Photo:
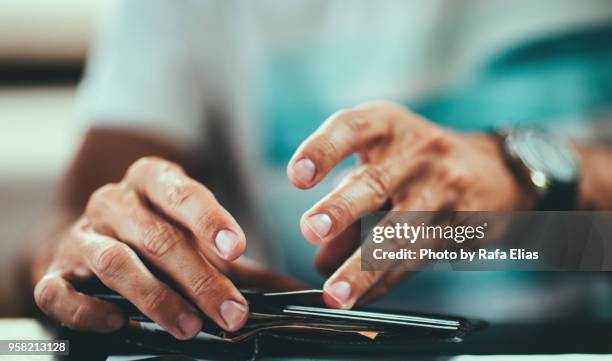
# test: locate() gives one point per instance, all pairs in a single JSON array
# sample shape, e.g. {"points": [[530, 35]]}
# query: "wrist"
{"points": [[521, 195], [525, 196]]}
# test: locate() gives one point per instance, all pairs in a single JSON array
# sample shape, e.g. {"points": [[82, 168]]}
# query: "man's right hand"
{"points": [[155, 216]]}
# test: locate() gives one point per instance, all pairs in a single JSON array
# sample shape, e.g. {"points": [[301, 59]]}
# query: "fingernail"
{"points": [[340, 291], [82, 272], [233, 313], [226, 242], [114, 321], [189, 323], [320, 224], [304, 170]]}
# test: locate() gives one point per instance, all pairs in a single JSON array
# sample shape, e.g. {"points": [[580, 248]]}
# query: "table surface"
{"points": [[567, 338]]}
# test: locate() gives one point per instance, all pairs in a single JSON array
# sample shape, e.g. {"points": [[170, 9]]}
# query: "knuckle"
{"points": [[377, 182], [342, 116], [45, 293], [112, 260], [437, 141], [355, 123], [104, 195], [159, 239], [149, 163], [154, 300], [180, 193], [79, 316], [209, 221], [341, 209], [142, 164], [326, 151], [460, 179], [454, 177], [202, 284]]}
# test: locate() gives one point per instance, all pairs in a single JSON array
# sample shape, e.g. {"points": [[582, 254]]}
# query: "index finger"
{"points": [[188, 202], [338, 137]]}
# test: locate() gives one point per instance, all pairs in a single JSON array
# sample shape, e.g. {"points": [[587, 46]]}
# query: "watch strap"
{"points": [[559, 197]]}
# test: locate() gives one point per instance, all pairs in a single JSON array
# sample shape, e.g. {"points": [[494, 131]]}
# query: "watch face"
{"points": [[548, 157]]}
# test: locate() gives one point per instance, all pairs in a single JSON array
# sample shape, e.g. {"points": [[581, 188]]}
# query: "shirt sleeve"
{"points": [[141, 73]]}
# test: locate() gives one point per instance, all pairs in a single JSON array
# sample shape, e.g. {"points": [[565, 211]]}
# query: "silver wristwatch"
{"points": [[547, 162]]}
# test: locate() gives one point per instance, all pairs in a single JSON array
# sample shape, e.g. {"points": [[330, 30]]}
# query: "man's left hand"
{"points": [[405, 160]]}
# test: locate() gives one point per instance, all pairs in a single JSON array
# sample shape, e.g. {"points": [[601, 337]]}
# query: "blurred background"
{"points": [[43, 46], [42, 50]]}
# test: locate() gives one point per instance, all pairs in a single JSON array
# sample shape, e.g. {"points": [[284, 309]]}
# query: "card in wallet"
{"points": [[293, 319]]}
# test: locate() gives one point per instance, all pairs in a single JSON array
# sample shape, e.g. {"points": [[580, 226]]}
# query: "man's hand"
{"points": [[405, 160], [156, 217]]}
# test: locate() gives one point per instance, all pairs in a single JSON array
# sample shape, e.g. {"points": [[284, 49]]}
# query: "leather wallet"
{"points": [[285, 323]]}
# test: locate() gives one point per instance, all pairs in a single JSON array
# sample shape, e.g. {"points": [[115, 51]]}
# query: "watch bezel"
{"points": [[516, 147]]}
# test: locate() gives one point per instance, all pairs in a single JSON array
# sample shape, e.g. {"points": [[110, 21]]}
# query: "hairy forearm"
{"points": [[595, 178]]}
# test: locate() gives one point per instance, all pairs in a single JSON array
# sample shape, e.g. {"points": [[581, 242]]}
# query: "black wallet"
{"points": [[296, 322]]}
